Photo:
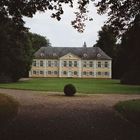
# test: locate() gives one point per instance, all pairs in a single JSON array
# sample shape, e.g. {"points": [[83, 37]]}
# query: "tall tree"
{"points": [[38, 41], [15, 52], [107, 40], [128, 59]]}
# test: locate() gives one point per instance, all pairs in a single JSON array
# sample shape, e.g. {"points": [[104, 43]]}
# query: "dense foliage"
{"points": [[38, 41], [8, 110], [15, 52], [108, 43], [107, 40], [128, 58], [69, 90], [131, 77], [130, 110], [16, 9], [121, 13]]}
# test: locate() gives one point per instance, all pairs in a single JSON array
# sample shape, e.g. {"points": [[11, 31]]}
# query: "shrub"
{"points": [[130, 109], [69, 90], [131, 77], [8, 109], [5, 78]]}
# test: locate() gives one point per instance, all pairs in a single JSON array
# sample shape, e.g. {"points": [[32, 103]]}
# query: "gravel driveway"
{"points": [[52, 116]]}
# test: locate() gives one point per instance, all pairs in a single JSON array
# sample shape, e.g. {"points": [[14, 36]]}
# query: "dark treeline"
{"points": [[16, 51], [125, 54]]}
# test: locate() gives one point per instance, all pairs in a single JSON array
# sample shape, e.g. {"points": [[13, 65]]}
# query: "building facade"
{"points": [[77, 62]]}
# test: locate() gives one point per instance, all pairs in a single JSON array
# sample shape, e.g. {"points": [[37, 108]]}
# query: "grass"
{"points": [[130, 110], [90, 86], [8, 109]]}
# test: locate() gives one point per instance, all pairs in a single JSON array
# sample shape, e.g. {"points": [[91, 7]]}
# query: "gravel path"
{"points": [[53, 116]]}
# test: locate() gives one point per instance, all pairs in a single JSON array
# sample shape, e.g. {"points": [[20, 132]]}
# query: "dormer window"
{"points": [[98, 55], [41, 54], [85, 55]]}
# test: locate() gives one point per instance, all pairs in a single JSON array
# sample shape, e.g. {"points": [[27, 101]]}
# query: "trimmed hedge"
{"points": [[69, 90]]}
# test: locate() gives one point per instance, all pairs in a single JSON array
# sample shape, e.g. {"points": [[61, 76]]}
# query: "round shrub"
{"points": [[69, 90]]}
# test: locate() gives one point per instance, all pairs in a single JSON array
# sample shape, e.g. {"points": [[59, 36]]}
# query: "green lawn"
{"points": [[130, 110], [82, 85]]}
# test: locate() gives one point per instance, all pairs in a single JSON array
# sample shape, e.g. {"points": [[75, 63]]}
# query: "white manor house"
{"points": [[77, 62]]}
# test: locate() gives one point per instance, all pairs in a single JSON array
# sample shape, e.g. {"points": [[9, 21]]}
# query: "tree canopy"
{"points": [[38, 41], [129, 49], [16, 9], [107, 40], [122, 13]]}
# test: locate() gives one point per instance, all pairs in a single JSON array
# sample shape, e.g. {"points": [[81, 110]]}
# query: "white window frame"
{"points": [[41, 63], [99, 64]]}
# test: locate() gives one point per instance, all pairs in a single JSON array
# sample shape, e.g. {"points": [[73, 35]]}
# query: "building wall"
{"points": [[71, 66]]}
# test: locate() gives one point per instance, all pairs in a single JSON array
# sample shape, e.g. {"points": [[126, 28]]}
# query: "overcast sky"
{"points": [[61, 33]]}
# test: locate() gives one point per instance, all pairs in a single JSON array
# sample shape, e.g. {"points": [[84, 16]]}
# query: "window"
{"points": [[75, 63], [106, 64], [41, 54], [106, 73], [99, 64], [75, 73], [34, 72], [49, 72], [90, 64], [70, 63], [64, 72], [84, 55], [84, 64], [41, 63], [84, 73], [91, 73], [55, 72], [98, 55], [99, 73], [55, 63], [41, 72], [49, 63], [65, 63], [34, 63]]}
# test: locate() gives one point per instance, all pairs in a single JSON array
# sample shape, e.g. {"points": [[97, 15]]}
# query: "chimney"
{"points": [[85, 45]]}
